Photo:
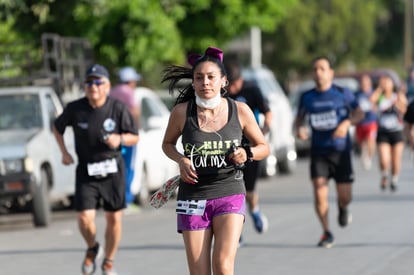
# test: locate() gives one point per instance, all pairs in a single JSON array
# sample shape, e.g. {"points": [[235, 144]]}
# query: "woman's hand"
{"points": [[238, 156], [187, 171]]}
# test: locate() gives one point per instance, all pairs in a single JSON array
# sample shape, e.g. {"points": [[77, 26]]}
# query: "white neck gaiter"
{"points": [[210, 103]]}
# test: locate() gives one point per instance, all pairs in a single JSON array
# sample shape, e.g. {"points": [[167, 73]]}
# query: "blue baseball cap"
{"points": [[97, 70], [128, 74]]}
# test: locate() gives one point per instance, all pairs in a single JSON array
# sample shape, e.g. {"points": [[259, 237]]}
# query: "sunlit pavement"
{"points": [[379, 240]]}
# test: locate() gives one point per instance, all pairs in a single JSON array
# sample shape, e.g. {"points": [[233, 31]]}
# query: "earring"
{"points": [[225, 83]]}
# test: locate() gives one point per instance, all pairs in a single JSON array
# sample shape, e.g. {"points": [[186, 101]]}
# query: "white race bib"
{"points": [[365, 104], [324, 120], [103, 168], [389, 121], [191, 207]]}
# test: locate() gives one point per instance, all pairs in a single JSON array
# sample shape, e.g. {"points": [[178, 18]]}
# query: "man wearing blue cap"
{"points": [[124, 92], [101, 126]]}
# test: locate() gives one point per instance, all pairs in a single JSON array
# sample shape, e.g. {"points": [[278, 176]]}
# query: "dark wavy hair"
{"points": [[179, 78]]}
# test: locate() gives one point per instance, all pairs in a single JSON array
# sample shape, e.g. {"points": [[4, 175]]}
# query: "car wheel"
{"points": [[287, 166], [143, 194], [40, 203], [268, 166]]}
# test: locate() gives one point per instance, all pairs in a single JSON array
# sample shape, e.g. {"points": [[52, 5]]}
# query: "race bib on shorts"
{"points": [[324, 120], [191, 207], [103, 168]]}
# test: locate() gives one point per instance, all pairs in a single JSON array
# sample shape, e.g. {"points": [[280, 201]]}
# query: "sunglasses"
{"points": [[96, 82]]}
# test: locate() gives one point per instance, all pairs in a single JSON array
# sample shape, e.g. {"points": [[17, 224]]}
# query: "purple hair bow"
{"points": [[210, 51]]}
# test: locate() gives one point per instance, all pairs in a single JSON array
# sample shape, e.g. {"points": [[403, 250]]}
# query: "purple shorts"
{"points": [[234, 204]]}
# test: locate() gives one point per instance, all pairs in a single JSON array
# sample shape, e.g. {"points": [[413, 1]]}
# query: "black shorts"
{"points": [[250, 174], [336, 165], [391, 138], [91, 192]]}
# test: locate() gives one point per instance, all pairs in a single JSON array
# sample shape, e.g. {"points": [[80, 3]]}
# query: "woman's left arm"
{"points": [[258, 144]]}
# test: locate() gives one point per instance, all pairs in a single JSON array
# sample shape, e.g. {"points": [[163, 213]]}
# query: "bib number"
{"points": [[102, 168], [389, 122], [324, 121], [191, 207], [365, 104]]}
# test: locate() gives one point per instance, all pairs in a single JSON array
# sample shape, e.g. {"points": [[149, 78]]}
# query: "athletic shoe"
{"points": [[344, 217], [366, 163], [261, 224], [241, 242], [131, 209], [384, 180], [89, 263], [327, 240], [108, 268], [393, 186]]}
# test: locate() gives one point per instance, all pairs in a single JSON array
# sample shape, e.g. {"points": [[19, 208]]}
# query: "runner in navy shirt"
{"points": [[330, 111]]}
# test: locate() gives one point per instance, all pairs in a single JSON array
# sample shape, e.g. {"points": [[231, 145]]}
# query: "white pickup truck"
{"points": [[31, 170]]}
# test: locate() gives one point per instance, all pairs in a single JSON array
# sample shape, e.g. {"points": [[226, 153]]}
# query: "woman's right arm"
{"points": [[172, 133], [66, 156]]}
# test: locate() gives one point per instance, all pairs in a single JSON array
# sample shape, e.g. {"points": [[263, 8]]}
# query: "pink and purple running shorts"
{"points": [[234, 204]]}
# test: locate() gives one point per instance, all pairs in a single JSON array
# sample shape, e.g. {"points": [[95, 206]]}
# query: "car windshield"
{"points": [[20, 112], [265, 82]]}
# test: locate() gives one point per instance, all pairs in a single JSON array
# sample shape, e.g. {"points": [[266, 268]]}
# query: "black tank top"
{"points": [[207, 152]]}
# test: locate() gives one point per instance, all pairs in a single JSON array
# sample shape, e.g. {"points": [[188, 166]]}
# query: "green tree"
{"points": [[341, 30], [146, 34]]}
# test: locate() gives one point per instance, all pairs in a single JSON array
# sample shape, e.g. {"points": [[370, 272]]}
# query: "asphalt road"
{"points": [[379, 241]]}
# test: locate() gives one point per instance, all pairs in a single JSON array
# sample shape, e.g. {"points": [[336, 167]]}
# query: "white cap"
{"points": [[128, 74]]}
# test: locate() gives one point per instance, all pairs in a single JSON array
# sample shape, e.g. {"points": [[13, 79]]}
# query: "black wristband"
{"points": [[249, 153]]}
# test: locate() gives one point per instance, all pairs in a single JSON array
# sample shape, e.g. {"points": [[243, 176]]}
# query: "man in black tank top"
{"points": [[249, 93]]}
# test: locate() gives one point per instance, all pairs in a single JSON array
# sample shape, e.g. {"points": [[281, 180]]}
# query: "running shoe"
{"points": [[393, 186], [327, 240], [344, 217], [108, 268], [89, 263], [384, 180], [367, 163], [241, 241], [131, 209], [261, 224]]}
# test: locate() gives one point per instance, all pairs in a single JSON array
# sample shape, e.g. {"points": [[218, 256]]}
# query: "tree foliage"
{"points": [[144, 33], [340, 30], [148, 34]]}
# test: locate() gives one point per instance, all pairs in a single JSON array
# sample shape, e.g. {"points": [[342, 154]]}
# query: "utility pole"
{"points": [[255, 47], [408, 33]]}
